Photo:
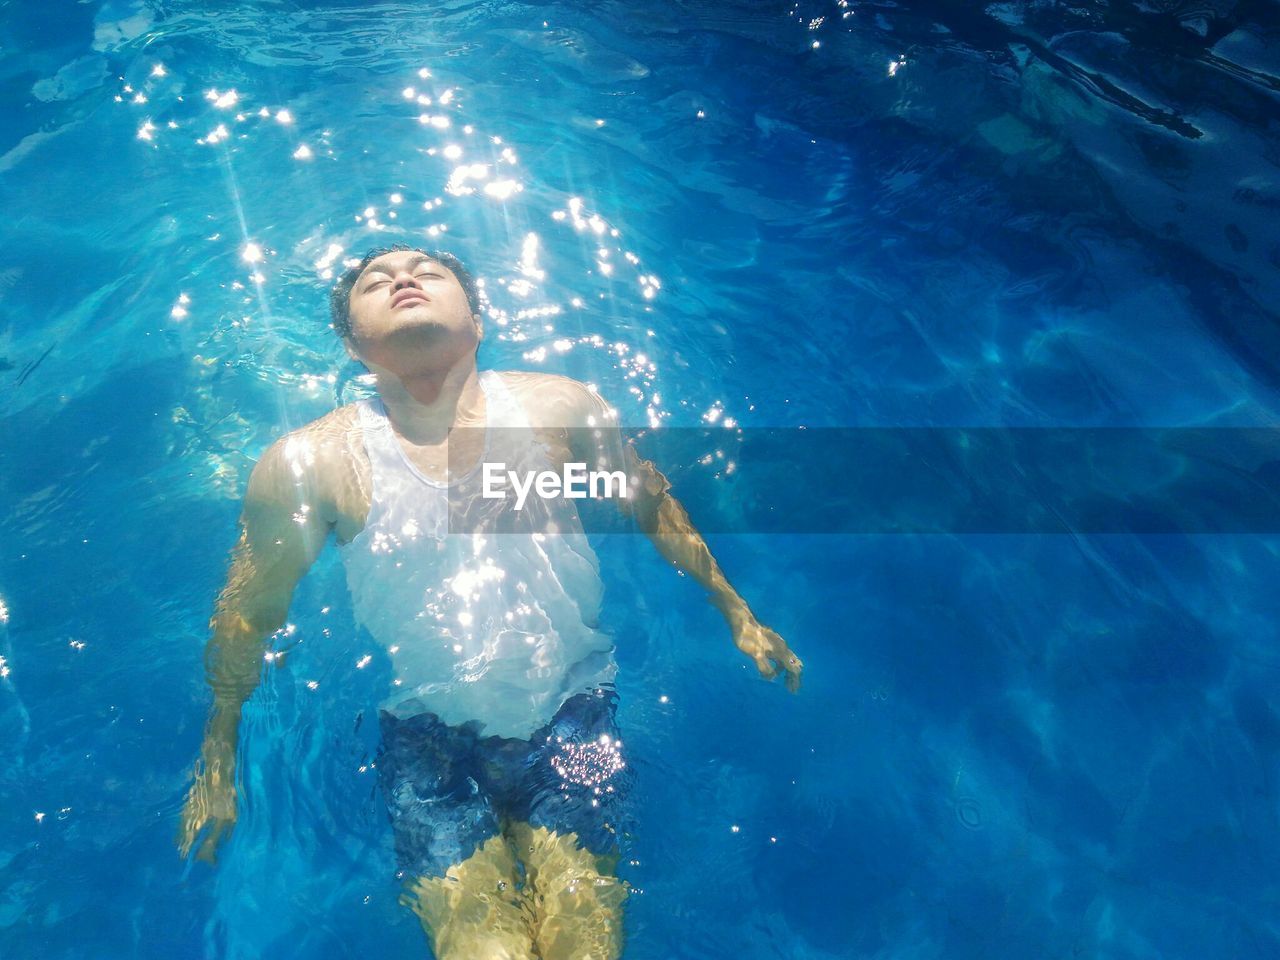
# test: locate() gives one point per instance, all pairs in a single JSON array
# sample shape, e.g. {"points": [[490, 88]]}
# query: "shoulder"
{"points": [[315, 455], [552, 400]]}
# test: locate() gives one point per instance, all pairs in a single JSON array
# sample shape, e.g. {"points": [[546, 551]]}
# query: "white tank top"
{"points": [[495, 627]]}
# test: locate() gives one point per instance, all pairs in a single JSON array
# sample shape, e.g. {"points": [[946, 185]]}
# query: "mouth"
{"points": [[407, 298]]}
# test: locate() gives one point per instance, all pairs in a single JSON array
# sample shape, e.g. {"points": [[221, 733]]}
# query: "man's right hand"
{"points": [[209, 813]]}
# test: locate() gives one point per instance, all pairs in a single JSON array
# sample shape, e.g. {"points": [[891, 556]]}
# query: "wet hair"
{"points": [[340, 296]]}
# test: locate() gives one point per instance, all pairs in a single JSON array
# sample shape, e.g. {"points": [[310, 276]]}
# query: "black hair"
{"points": [[340, 296]]}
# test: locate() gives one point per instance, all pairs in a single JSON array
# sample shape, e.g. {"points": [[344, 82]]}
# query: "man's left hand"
{"points": [[770, 652]]}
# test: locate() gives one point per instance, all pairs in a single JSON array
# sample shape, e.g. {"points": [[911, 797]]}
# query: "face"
{"points": [[406, 307]]}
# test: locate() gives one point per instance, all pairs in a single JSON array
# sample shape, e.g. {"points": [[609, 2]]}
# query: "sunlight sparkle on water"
{"points": [[457, 184], [529, 258], [589, 764], [331, 254], [502, 189], [222, 101]]}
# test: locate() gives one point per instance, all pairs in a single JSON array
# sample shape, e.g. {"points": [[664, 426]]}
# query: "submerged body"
{"points": [[496, 628], [501, 764]]}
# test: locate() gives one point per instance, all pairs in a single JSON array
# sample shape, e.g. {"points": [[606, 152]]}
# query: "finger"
{"points": [[793, 679], [766, 667], [188, 829], [794, 667], [191, 839], [209, 849]]}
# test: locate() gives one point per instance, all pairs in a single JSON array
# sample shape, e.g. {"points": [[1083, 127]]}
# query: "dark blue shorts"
{"points": [[449, 789]]}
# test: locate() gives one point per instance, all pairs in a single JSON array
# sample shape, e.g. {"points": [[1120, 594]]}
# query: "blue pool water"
{"points": [[828, 214]]}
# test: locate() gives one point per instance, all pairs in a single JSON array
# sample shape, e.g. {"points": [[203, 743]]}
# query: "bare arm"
{"points": [[282, 529], [663, 519]]}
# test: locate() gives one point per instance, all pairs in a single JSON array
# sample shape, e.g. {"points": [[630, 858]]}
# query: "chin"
{"points": [[411, 322], [425, 336]]}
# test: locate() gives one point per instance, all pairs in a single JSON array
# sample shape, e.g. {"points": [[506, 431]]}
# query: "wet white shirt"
{"points": [[483, 625]]}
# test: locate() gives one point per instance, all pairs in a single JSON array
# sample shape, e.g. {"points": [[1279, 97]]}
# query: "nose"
{"points": [[403, 279]]}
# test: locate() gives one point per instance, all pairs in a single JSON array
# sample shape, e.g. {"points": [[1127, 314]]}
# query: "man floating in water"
{"points": [[500, 761]]}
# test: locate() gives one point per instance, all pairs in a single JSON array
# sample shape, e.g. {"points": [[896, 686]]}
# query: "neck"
{"points": [[425, 405]]}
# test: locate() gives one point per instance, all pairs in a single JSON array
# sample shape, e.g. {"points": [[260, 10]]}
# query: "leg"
{"points": [[576, 900], [462, 874], [575, 785], [475, 911]]}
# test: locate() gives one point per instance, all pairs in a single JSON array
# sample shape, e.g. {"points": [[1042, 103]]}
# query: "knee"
{"points": [[483, 947], [563, 872]]}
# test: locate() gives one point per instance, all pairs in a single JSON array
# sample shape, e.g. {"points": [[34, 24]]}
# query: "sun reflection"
{"points": [[216, 135], [474, 162], [222, 101], [457, 184], [590, 764], [502, 189], [325, 262]]}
